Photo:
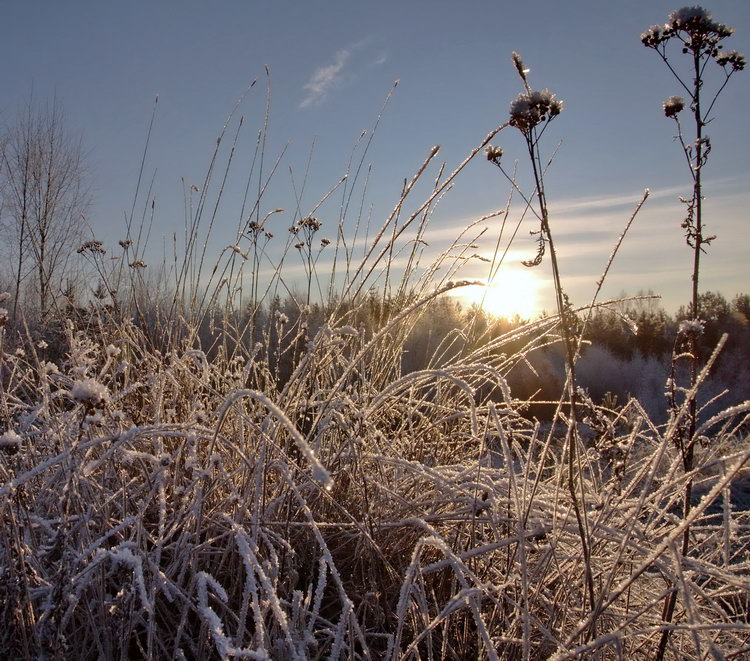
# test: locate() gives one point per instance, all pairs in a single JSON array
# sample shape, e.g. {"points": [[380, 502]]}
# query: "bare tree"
{"points": [[44, 197]]}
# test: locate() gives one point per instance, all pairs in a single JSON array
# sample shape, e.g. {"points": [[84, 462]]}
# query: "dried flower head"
{"points": [[531, 108], [694, 27], [92, 246], [698, 25], [654, 36], [137, 264], [689, 14], [493, 153], [673, 105], [10, 442], [311, 223], [125, 243], [49, 367], [691, 327], [90, 392], [732, 58]]}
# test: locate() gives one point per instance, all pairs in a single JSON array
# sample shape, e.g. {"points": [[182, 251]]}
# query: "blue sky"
{"points": [[332, 64]]}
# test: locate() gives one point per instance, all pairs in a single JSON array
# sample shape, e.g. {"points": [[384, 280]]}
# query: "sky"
{"points": [[330, 65]]}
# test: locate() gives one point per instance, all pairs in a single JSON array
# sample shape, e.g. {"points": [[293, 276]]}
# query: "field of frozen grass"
{"points": [[155, 506], [192, 468]]}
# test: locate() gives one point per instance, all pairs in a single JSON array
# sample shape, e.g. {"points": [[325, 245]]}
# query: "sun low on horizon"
{"points": [[512, 292]]}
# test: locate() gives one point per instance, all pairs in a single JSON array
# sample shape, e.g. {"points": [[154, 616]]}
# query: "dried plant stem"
{"points": [[569, 343], [696, 240]]}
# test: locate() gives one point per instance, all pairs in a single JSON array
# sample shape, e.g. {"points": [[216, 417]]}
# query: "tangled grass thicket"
{"points": [[155, 507]]}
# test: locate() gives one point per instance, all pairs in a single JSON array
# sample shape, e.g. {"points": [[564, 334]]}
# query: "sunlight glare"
{"points": [[512, 292]]}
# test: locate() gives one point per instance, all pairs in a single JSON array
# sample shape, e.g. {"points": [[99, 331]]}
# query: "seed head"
{"points": [[698, 23], [311, 222], [654, 36], [531, 108], [694, 27], [493, 153], [691, 327], [733, 59], [90, 392], [10, 442], [673, 105], [93, 246], [518, 64]]}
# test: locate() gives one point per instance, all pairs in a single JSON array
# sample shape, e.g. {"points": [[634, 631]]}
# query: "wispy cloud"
{"points": [[652, 256], [324, 78], [330, 76], [382, 58]]}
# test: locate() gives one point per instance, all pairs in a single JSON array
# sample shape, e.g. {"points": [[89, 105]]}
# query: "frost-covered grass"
{"points": [[191, 468], [157, 505]]}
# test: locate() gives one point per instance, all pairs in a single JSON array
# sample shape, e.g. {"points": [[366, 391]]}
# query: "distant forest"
{"points": [[627, 351]]}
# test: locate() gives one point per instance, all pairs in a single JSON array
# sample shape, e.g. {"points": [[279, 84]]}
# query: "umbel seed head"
{"points": [[531, 108], [694, 27]]}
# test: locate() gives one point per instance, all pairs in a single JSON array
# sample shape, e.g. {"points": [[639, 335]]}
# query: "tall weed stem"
{"points": [[699, 36], [531, 112]]}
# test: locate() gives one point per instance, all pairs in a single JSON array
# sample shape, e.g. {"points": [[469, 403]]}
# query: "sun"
{"points": [[512, 292]]}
